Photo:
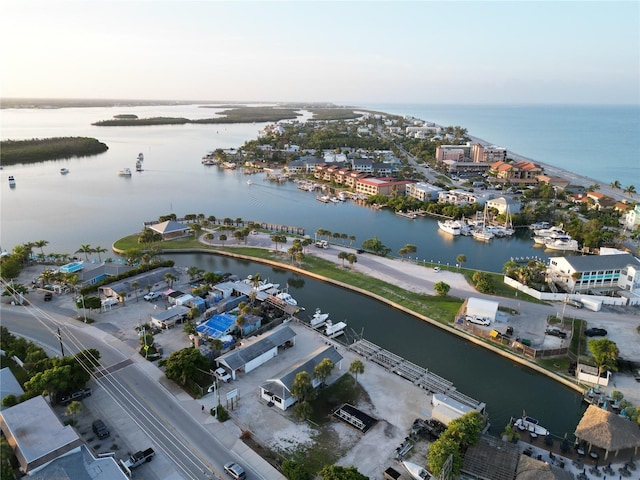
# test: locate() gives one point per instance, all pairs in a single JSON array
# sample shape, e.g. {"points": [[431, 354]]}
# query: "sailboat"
{"points": [[480, 231]]}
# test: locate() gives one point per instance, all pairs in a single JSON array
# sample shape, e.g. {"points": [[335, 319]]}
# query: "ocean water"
{"points": [[597, 141]]}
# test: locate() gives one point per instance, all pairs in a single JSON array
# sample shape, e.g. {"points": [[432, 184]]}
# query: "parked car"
{"points": [[152, 296], [67, 398], [478, 320], [235, 470], [556, 332], [436, 269], [575, 303], [222, 375], [595, 332], [100, 429], [48, 296]]}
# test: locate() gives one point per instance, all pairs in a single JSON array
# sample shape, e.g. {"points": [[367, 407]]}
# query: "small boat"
{"points": [[483, 235], [319, 319], [416, 471], [141, 157], [548, 232], [64, 171], [125, 172], [409, 215], [284, 296], [12, 181], [531, 425], [228, 165], [333, 330], [249, 182], [138, 165], [323, 198]]}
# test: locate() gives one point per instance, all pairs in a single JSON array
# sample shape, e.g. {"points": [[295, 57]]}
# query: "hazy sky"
{"points": [[335, 51]]}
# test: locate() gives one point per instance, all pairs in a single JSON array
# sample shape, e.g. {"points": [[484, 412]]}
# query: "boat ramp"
{"points": [[416, 374]]}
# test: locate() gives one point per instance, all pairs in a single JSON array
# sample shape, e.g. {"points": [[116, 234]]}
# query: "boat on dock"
{"points": [[319, 319], [452, 227], [409, 215], [333, 330], [562, 244], [323, 198], [416, 471], [286, 297], [530, 425]]}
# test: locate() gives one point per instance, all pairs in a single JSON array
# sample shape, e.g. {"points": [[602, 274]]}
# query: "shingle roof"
{"points": [[601, 262], [241, 356]]}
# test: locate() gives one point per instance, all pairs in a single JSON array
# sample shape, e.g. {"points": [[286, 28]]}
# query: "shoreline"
{"points": [[407, 277]]}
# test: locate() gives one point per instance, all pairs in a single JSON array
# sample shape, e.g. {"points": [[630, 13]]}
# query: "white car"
{"points": [[152, 296], [478, 320], [222, 375]]}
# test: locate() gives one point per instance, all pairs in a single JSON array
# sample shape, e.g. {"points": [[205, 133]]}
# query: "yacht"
{"points": [[531, 425], [563, 244], [483, 235], [284, 296], [319, 318], [125, 172], [12, 181], [547, 232], [333, 330], [64, 171], [451, 227]]}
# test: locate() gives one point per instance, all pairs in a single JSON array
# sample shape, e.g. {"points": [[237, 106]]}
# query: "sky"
{"points": [[345, 52]]}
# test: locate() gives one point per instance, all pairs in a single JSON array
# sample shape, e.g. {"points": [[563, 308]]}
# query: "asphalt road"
{"points": [[133, 396]]}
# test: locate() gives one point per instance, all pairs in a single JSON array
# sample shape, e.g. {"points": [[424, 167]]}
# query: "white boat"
{"points": [[249, 182], [64, 171], [547, 232], [483, 235], [287, 298], [12, 181], [409, 215], [208, 161], [125, 172], [319, 318], [323, 198], [333, 330], [539, 225], [451, 227], [334, 199], [531, 425], [416, 471], [564, 244]]}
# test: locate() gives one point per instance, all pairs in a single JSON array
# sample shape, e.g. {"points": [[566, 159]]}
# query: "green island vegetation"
{"points": [[233, 115], [41, 149]]}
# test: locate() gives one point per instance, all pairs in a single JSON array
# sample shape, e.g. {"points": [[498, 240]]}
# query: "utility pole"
{"points": [[59, 335]]}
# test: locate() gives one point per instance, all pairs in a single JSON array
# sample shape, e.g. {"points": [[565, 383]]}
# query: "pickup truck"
{"points": [[67, 398], [137, 459], [222, 375]]}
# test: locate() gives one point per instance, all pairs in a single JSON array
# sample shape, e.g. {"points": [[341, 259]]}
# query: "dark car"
{"points": [[48, 296], [556, 332], [67, 398], [595, 332], [100, 429]]}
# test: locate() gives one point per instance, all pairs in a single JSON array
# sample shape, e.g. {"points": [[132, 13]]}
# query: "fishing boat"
{"points": [[319, 319], [531, 425], [480, 230], [333, 330], [409, 215], [286, 297], [125, 172], [12, 181], [562, 244], [416, 471], [64, 171]]}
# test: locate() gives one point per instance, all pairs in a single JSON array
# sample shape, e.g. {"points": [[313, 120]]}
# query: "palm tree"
{"points": [[39, 244], [73, 409], [461, 259], [630, 190], [615, 185], [99, 250], [86, 249], [343, 256], [356, 367], [170, 278], [223, 238]]}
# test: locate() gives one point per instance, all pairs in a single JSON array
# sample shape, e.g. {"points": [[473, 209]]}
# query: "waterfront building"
{"points": [[503, 204], [425, 192], [382, 186], [466, 168], [598, 274], [487, 153], [304, 165], [555, 182], [462, 197], [632, 218], [170, 229], [594, 200], [517, 171], [458, 153]]}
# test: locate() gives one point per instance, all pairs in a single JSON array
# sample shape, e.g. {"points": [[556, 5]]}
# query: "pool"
{"points": [[71, 267]]}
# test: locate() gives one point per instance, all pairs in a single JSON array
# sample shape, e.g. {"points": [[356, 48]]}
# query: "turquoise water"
{"points": [[598, 141]]}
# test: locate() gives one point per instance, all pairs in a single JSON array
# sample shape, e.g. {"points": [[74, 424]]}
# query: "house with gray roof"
{"points": [[598, 274], [148, 281], [80, 465], [36, 434], [277, 390], [254, 353]]}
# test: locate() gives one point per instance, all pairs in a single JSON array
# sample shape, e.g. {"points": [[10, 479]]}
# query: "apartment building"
{"points": [[487, 153], [382, 186], [425, 192]]}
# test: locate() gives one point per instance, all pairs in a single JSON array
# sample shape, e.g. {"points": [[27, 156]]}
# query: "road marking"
{"points": [[113, 368]]}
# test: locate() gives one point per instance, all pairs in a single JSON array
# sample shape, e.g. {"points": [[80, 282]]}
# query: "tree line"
{"points": [[38, 150]]}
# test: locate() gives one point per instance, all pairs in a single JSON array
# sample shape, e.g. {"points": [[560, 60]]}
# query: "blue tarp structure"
{"points": [[217, 326]]}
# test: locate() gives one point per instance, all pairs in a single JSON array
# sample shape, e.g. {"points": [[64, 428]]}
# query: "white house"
{"points": [[632, 218]]}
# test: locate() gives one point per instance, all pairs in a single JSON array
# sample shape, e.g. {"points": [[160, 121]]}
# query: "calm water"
{"points": [[507, 388], [91, 205]]}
